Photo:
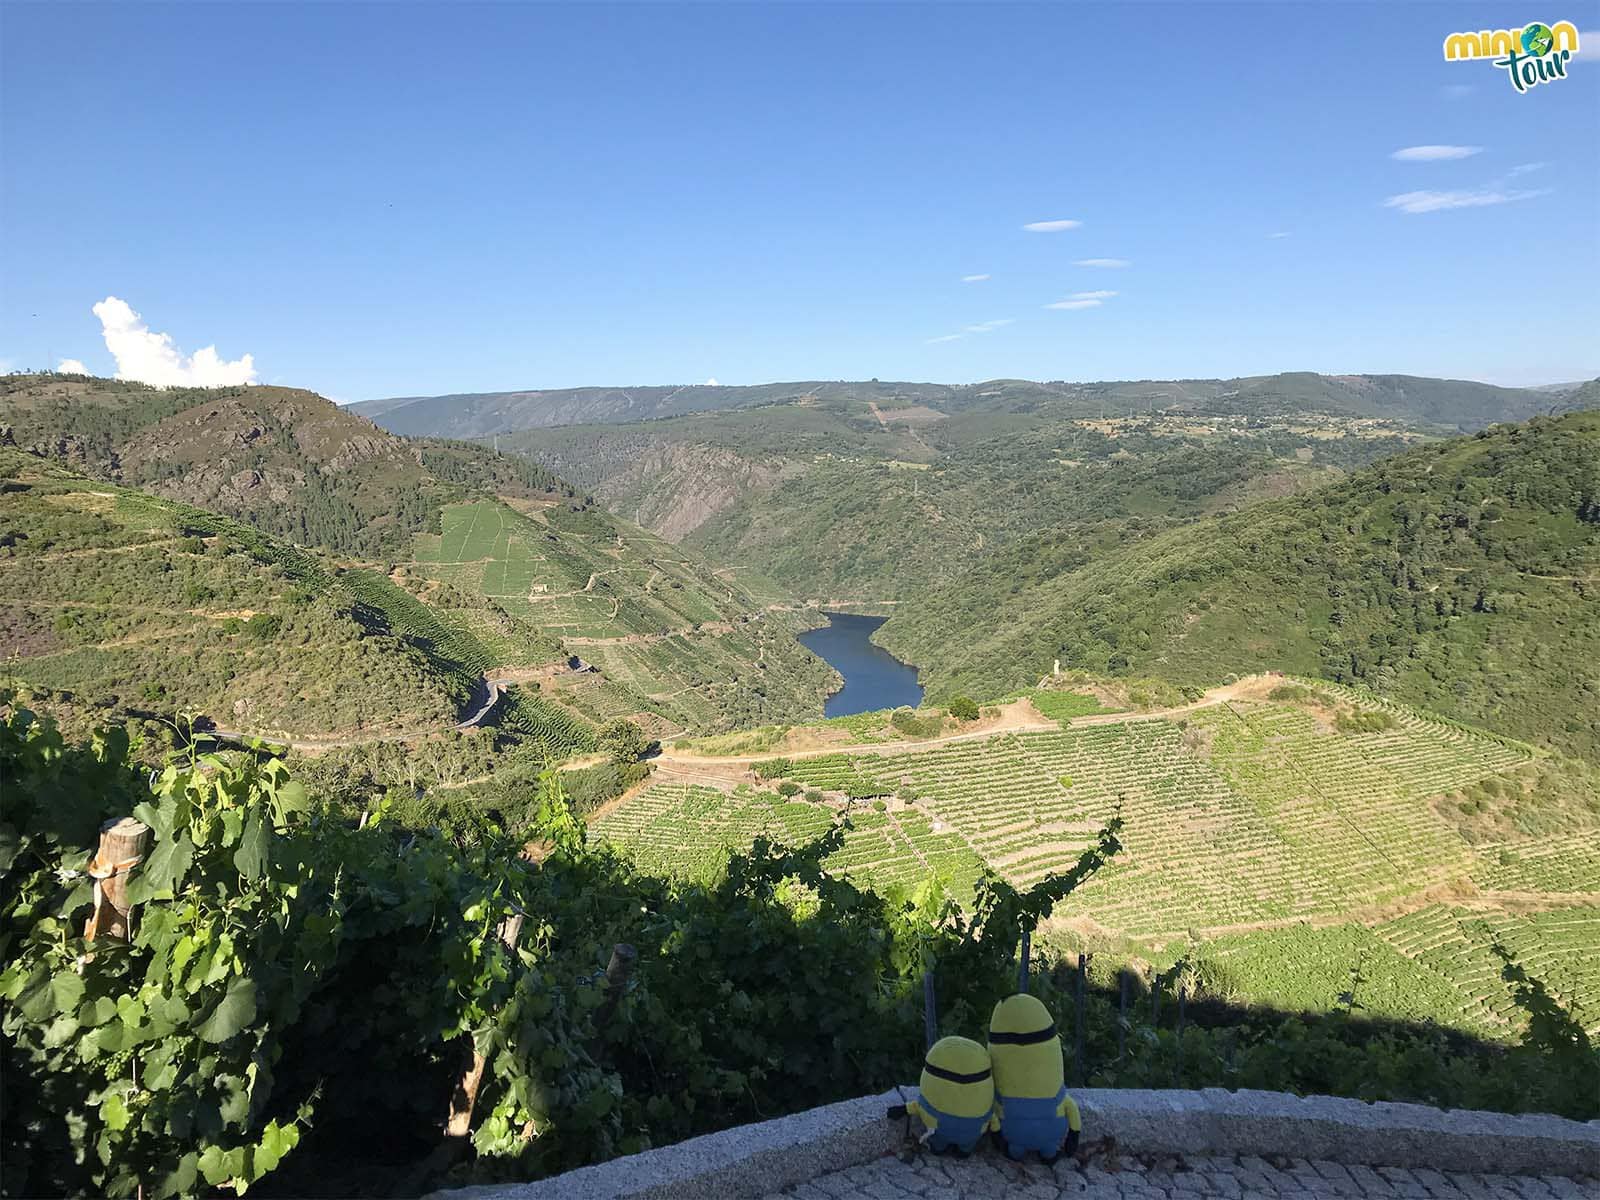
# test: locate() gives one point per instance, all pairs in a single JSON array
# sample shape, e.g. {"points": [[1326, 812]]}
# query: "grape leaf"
{"points": [[233, 1012]]}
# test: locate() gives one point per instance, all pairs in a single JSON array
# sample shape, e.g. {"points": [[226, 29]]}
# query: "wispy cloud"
{"points": [[1435, 153], [1588, 46], [1525, 168], [980, 328], [1050, 226], [973, 278], [1102, 262], [1426, 202], [1081, 300], [1457, 91], [152, 358], [1282, 233]]}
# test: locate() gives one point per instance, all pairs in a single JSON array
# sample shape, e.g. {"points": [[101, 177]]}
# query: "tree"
{"points": [[963, 708], [623, 741]]}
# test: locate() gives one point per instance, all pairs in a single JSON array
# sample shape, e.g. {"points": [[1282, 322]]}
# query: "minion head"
{"points": [[956, 1078], [1024, 1049]]}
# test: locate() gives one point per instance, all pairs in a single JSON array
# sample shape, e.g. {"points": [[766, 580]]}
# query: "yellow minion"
{"points": [[1029, 1080], [955, 1100]]}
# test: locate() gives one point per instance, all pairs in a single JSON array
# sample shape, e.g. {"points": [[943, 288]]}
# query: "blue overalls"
{"points": [[960, 1133], [1033, 1123]]}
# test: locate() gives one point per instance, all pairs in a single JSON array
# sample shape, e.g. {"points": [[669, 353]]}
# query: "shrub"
{"points": [[963, 708], [264, 626], [788, 788], [1365, 721], [772, 768]]}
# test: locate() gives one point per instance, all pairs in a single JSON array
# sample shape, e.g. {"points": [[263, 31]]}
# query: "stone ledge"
{"points": [[755, 1160]]}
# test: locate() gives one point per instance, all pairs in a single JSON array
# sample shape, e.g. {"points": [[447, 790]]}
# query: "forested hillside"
{"points": [[1462, 575], [1454, 403], [871, 506]]}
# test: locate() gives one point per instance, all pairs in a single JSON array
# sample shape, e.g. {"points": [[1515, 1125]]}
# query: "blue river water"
{"points": [[873, 678]]}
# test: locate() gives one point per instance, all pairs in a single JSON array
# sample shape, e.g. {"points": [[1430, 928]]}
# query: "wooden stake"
{"points": [[124, 843], [465, 1094], [618, 971]]}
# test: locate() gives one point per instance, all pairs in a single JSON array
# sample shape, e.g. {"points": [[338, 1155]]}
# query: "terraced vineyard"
{"points": [[1292, 848], [667, 634]]}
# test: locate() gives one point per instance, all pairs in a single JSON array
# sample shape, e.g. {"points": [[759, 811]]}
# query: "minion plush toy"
{"points": [[956, 1098], [1029, 1080]]}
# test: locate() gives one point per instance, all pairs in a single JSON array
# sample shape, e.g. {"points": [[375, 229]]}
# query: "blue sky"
{"points": [[375, 200]]}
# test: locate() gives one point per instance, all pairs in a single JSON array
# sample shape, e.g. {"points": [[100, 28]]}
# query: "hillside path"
{"points": [[1017, 717]]}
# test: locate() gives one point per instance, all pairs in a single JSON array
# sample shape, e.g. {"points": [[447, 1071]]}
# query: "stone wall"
{"points": [[755, 1160]]}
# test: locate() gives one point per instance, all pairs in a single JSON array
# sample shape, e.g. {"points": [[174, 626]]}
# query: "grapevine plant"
{"points": [[299, 982]]}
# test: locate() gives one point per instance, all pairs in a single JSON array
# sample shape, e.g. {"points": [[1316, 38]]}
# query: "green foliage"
{"points": [[290, 972], [907, 722], [1364, 721], [772, 768], [963, 708], [1421, 577], [622, 741]]}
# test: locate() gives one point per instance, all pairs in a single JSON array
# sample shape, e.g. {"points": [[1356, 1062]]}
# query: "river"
{"points": [[873, 678]]}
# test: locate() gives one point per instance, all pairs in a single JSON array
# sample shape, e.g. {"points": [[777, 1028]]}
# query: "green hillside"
{"points": [[1276, 824], [1454, 403], [285, 460], [140, 604], [1460, 575], [863, 503], [415, 538]]}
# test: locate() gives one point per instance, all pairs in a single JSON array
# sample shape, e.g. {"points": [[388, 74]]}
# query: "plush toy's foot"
{"points": [[1047, 1159], [1016, 1153]]}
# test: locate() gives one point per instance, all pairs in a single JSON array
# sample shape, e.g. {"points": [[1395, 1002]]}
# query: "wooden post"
{"points": [[1122, 1016], [1078, 1073], [465, 1094], [123, 844], [930, 1011], [618, 971], [1177, 1069]]}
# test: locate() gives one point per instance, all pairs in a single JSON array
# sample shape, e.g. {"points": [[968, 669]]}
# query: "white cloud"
{"points": [[1050, 226], [949, 337], [1435, 153], [1525, 168], [71, 366], [152, 358], [1282, 233], [712, 382], [1102, 262], [973, 278], [988, 326], [1588, 46], [1426, 202], [1087, 302]]}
